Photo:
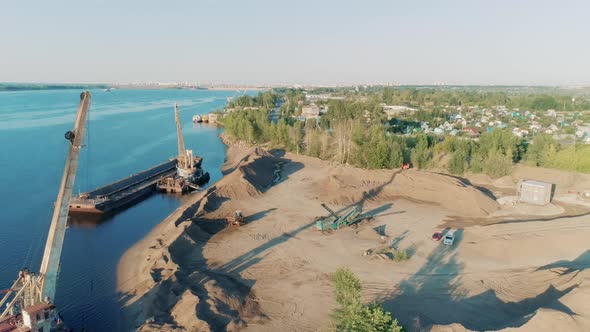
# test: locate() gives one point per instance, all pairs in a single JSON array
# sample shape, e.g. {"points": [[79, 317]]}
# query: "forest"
{"points": [[355, 131]]}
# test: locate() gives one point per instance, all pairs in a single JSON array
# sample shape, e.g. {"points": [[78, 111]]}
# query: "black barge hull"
{"points": [[123, 192]]}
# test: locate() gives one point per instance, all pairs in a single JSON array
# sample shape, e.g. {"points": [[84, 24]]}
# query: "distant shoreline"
{"points": [[175, 87], [48, 86], [51, 86]]}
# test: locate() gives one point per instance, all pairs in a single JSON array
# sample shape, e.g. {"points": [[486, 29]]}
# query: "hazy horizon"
{"points": [[458, 42]]}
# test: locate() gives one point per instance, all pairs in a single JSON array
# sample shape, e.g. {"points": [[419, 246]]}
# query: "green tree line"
{"points": [[472, 97], [355, 132], [265, 99]]}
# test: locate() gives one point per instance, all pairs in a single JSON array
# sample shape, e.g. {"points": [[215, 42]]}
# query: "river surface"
{"points": [[128, 131]]}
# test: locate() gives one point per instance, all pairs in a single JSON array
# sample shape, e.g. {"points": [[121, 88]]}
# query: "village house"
{"points": [[553, 128], [395, 110], [520, 132], [311, 111], [535, 127], [471, 132], [583, 131]]}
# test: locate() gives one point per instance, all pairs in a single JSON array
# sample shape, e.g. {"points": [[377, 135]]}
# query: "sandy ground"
{"points": [[512, 266]]}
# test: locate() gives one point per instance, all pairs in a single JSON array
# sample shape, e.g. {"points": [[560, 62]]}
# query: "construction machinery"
{"points": [[189, 174], [335, 222], [28, 301], [186, 166], [237, 219]]}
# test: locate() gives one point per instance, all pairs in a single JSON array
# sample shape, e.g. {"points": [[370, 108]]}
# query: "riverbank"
{"points": [[193, 272]]}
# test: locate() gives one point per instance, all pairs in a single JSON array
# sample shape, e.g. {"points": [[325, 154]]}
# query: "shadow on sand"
{"points": [[224, 297], [466, 182], [418, 301]]}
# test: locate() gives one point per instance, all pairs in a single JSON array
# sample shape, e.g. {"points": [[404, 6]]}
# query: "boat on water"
{"points": [[212, 118], [107, 90], [178, 175], [123, 192], [205, 118], [197, 118]]}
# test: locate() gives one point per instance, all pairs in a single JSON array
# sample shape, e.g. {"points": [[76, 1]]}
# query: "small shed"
{"points": [[39, 317], [535, 192]]}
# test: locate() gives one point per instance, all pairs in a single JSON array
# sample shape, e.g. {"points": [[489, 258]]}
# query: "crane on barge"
{"points": [[186, 161], [189, 174], [30, 299]]}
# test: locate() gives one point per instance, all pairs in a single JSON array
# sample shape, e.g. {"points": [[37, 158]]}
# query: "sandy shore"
{"points": [[512, 267]]}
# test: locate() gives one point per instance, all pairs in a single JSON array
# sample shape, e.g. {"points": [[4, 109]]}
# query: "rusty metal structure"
{"points": [[173, 185], [29, 300]]}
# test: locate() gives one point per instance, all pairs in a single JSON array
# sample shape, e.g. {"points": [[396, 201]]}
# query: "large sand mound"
{"points": [[451, 193], [249, 176]]}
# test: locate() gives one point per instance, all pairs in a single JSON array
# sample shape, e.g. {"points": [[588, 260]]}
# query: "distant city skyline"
{"points": [[262, 42]]}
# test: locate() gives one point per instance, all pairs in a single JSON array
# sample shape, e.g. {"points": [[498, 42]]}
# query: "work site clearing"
{"points": [[511, 266]]}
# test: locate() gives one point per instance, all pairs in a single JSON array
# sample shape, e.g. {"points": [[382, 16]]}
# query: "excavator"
{"points": [[29, 301], [237, 219]]}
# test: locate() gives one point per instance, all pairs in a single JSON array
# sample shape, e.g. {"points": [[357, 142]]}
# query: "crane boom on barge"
{"points": [[31, 296]]}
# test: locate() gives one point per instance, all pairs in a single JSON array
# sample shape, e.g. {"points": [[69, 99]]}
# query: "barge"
{"points": [[128, 190], [178, 175], [122, 192]]}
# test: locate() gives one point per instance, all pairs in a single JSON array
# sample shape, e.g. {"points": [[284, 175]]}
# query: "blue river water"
{"points": [[128, 131]]}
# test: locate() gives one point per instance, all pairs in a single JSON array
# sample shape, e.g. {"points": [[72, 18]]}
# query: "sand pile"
{"points": [[449, 192], [250, 175], [186, 293], [176, 287], [183, 313], [564, 180], [446, 191]]}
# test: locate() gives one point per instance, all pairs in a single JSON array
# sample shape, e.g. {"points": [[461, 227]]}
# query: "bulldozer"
{"points": [[335, 222], [237, 219]]}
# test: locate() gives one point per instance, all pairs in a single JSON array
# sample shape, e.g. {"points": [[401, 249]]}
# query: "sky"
{"points": [[516, 42]]}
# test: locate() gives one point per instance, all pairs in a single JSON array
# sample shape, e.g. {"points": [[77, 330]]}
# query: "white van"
{"points": [[449, 238]]}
